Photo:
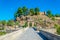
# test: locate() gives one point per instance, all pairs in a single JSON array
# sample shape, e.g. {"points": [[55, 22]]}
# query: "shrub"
{"points": [[26, 24], [2, 33], [30, 24], [58, 30], [35, 25], [1, 28], [53, 18], [56, 25]]}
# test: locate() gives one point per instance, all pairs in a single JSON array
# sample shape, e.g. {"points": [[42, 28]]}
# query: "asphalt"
{"points": [[29, 34], [23, 34]]}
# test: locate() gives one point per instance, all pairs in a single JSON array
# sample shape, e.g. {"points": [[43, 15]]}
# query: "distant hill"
{"points": [[40, 20]]}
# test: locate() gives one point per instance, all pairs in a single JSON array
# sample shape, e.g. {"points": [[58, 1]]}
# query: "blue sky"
{"points": [[9, 7]]}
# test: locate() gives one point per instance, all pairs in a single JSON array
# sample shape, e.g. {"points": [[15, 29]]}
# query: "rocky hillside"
{"points": [[40, 20]]}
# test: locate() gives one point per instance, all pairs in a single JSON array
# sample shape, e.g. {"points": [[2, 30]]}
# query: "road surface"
{"points": [[24, 34]]}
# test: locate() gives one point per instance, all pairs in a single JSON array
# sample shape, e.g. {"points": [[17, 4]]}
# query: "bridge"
{"points": [[29, 34]]}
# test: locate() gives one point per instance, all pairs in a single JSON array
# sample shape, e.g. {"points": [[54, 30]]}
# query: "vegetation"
{"points": [[2, 33], [25, 25], [24, 11], [53, 18], [30, 24], [57, 15], [35, 25], [10, 23], [4, 22], [37, 11], [49, 14], [56, 25], [31, 12], [16, 23], [57, 28], [2, 28]]}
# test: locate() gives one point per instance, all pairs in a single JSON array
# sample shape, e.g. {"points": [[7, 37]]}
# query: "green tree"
{"points": [[37, 11], [57, 15], [16, 15], [31, 12], [20, 11], [25, 10], [49, 14]]}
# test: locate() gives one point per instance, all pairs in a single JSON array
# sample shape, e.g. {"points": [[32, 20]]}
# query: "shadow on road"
{"points": [[42, 33], [53, 36], [42, 36]]}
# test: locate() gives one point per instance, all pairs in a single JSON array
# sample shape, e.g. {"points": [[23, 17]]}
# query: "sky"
{"points": [[9, 7]]}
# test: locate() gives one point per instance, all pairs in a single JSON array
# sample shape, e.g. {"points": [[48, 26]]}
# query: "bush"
{"points": [[35, 25], [53, 18], [26, 24], [56, 25], [58, 30], [1, 28], [30, 24], [2, 33]]}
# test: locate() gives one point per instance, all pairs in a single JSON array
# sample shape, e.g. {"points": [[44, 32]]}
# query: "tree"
{"points": [[16, 15], [20, 11], [49, 14], [37, 11], [57, 15], [25, 10], [31, 11]]}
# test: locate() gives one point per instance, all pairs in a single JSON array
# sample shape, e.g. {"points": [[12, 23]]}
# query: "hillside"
{"points": [[40, 20]]}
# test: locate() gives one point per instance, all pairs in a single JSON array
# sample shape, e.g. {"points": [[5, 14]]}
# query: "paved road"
{"points": [[24, 34], [29, 34]]}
